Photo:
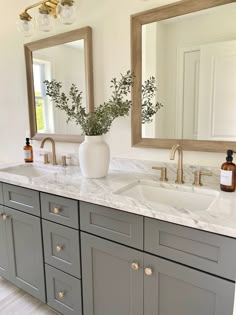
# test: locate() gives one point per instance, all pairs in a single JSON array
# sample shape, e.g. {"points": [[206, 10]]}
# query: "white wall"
{"points": [[110, 21]]}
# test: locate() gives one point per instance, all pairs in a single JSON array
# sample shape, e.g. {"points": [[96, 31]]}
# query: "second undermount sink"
{"points": [[28, 170], [178, 197]]}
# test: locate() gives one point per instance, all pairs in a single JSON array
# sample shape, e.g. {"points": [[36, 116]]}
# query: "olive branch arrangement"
{"points": [[100, 120]]}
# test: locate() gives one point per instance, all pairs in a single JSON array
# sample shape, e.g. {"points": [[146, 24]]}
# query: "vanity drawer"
{"points": [[63, 292], [60, 210], [20, 198], [61, 247], [1, 194], [210, 252], [118, 226]]}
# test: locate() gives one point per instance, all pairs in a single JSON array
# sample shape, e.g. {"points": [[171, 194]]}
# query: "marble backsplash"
{"points": [[143, 166]]}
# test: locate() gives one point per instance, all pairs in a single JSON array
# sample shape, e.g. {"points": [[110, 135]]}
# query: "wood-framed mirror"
{"points": [[66, 57], [190, 48]]}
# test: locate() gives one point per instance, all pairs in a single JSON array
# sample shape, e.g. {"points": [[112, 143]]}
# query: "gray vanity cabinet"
{"points": [[171, 289], [25, 258], [110, 285]]}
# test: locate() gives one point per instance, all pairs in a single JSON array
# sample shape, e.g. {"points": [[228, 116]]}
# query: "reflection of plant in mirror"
{"points": [[99, 122], [148, 108]]}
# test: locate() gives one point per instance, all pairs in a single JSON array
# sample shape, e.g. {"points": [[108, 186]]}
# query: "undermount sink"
{"points": [[30, 170], [178, 197]]}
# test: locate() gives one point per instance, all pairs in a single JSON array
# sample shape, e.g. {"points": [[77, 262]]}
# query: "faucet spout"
{"points": [[54, 159], [179, 175]]}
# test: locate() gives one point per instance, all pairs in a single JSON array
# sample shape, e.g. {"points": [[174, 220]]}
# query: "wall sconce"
{"points": [[48, 10]]}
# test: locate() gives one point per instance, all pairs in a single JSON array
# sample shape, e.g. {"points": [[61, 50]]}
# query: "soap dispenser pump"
{"points": [[228, 173], [28, 152]]}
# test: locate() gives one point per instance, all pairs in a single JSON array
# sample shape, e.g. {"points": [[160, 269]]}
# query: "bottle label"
{"points": [[27, 154], [226, 178]]}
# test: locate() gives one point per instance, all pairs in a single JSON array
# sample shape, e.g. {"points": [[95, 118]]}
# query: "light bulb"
{"points": [[44, 22], [66, 13], [25, 27]]}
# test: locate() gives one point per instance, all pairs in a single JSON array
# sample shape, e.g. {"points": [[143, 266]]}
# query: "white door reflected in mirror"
{"points": [[195, 67]]}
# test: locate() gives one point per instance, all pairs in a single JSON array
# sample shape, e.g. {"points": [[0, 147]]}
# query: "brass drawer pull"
{"points": [[135, 266], [61, 294], [59, 248], [56, 210], [5, 217], [148, 271]]}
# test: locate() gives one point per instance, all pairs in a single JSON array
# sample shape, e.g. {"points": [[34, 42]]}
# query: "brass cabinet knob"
{"points": [[59, 248], [135, 266], [148, 271], [61, 294], [5, 216], [56, 210]]}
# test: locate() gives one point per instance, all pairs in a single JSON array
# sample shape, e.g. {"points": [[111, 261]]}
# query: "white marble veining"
{"points": [[220, 216]]}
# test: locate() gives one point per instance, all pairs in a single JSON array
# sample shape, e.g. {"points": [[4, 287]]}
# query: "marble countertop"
{"points": [[219, 218]]}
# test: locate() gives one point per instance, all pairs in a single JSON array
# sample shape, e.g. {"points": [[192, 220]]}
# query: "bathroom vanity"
{"points": [[84, 248]]}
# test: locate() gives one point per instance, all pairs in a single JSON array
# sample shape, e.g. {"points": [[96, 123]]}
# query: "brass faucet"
{"points": [[54, 159], [179, 175]]}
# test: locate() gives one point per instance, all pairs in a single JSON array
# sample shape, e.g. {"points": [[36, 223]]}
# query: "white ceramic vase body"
{"points": [[94, 157]]}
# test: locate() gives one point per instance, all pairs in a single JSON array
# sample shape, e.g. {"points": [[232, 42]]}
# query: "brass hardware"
{"points": [[54, 159], [63, 159], [179, 175], [61, 294], [56, 210], [5, 216], [45, 158], [59, 248], [198, 177], [148, 271], [135, 266], [48, 7], [163, 170]]}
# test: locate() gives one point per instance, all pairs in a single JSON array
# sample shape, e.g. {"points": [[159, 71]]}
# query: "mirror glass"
{"points": [[66, 64], [193, 58], [65, 59]]}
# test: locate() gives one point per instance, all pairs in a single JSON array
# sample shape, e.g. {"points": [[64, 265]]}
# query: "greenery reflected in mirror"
{"points": [[66, 58], [190, 47]]}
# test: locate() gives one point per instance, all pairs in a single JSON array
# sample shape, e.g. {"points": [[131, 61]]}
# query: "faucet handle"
{"points": [[198, 176], [64, 158], [163, 170], [45, 157]]}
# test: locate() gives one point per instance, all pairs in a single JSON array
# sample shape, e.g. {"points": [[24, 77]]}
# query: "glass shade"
{"points": [[66, 13], [26, 28], [44, 22]]}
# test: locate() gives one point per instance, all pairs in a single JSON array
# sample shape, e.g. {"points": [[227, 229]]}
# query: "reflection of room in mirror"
{"points": [[193, 58], [66, 64]]}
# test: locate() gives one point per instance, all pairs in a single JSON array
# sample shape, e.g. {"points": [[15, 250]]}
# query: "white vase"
{"points": [[94, 157]]}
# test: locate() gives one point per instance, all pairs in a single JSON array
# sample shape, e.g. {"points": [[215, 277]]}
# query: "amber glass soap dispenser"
{"points": [[28, 152], [228, 173]]}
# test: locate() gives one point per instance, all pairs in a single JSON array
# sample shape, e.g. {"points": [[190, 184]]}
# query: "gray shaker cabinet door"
{"points": [[25, 252], [173, 289], [61, 247], [110, 285], [4, 265], [63, 292]]}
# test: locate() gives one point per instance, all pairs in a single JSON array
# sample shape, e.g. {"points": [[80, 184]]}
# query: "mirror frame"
{"points": [[82, 33], [150, 16]]}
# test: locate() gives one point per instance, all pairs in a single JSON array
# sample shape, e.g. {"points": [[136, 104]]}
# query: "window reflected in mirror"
{"points": [[64, 63]]}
